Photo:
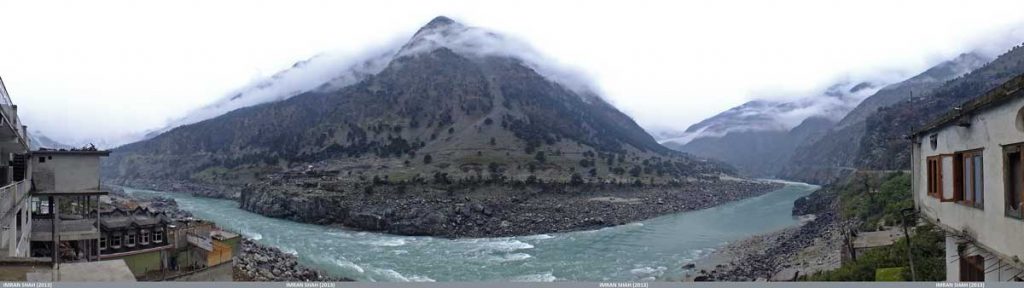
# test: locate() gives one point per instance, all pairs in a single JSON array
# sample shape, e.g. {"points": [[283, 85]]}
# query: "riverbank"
{"points": [[782, 255], [258, 262], [649, 250], [467, 209], [474, 210]]}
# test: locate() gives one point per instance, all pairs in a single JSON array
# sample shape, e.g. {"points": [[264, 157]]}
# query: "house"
{"points": [[137, 236], [968, 179]]}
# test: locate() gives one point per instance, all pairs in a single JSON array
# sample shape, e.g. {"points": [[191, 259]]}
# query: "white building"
{"points": [[969, 180], [15, 175]]}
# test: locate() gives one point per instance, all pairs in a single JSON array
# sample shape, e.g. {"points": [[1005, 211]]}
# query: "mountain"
{"points": [[834, 154], [759, 135], [39, 140], [431, 98], [320, 72], [462, 125], [884, 146]]}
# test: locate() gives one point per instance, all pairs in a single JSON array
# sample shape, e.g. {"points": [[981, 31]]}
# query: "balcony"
{"points": [[11, 196], [13, 135]]}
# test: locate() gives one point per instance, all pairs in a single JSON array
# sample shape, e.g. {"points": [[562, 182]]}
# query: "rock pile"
{"points": [[263, 263]]}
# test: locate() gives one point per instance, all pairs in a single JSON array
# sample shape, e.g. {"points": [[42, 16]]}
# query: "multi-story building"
{"points": [[15, 175], [137, 236], [45, 200], [968, 169]]}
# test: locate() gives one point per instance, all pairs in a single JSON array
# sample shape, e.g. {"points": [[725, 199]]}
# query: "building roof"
{"points": [[222, 235], [1011, 89], [138, 217], [45, 151], [876, 238], [100, 271]]}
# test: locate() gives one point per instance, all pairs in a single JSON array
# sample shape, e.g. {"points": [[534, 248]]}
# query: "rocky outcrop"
{"points": [[488, 210], [263, 263]]}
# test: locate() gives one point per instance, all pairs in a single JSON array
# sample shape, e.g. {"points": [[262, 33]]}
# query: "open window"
{"points": [[1013, 178], [969, 178]]}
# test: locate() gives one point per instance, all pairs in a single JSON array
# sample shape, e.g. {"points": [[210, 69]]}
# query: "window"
{"points": [[158, 236], [933, 141], [145, 237], [42, 159], [934, 177], [969, 187], [130, 240], [972, 268], [115, 241], [103, 243], [1013, 177]]}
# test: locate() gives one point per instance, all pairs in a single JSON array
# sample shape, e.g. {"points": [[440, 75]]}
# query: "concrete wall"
{"points": [[219, 273], [66, 172], [989, 130], [995, 269], [143, 262]]}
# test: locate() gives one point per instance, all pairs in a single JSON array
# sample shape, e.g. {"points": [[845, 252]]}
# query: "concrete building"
{"points": [[45, 199], [15, 180], [968, 179], [66, 191]]}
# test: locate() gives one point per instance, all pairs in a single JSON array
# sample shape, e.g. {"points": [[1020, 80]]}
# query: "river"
{"points": [[654, 249]]}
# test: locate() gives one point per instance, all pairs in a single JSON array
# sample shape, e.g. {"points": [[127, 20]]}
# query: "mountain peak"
{"points": [[439, 21]]}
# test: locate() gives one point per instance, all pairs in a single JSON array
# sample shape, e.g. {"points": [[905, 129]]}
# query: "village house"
{"points": [[968, 179]]}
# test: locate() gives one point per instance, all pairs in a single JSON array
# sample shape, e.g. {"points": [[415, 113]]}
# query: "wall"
{"points": [[989, 129], [219, 273], [66, 172], [143, 262]]}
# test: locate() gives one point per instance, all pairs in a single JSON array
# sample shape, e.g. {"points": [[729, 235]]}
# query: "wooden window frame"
{"points": [[961, 182], [938, 180], [1008, 179], [933, 170]]}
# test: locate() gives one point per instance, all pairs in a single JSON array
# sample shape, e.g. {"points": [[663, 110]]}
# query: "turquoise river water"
{"points": [[653, 249]]}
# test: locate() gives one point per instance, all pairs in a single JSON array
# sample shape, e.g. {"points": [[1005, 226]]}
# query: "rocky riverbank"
{"points": [[457, 210], [783, 255], [263, 263], [223, 191]]}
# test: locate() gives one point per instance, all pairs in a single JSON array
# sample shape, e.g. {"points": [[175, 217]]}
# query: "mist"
{"points": [[112, 72]]}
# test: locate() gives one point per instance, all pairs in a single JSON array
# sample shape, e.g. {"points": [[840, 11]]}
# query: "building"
{"points": [[15, 176], [968, 179], [45, 200], [137, 236], [68, 179]]}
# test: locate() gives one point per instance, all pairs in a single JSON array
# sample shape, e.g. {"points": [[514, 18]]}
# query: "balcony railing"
{"points": [[9, 116], [12, 195]]}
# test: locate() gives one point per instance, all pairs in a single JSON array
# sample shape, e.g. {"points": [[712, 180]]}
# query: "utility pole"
{"points": [[910, 246]]}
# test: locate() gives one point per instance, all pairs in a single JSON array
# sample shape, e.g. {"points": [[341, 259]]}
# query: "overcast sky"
{"points": [[101, 69]]}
